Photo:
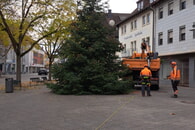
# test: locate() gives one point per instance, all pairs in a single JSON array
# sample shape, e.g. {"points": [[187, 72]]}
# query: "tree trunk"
{"points": [[18, 70], [50, 64], [4, 65]]}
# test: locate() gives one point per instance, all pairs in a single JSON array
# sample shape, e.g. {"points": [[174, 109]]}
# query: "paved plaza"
{"points": [[39, 109]]}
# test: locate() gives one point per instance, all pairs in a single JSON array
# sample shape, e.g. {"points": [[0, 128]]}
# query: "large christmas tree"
{"points": [[90, 65]]}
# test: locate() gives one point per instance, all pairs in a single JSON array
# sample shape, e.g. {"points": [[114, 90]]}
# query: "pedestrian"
{"points": [[143, 48], [175, 78], [145, 75]]}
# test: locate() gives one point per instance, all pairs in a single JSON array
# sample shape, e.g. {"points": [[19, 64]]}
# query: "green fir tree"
{"points": [[91, 65]]}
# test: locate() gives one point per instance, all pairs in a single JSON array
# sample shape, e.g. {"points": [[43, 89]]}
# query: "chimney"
{"points": [[109, 13]]}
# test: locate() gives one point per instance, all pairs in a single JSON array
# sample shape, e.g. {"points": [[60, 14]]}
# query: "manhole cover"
{"points": [[188, 102]]}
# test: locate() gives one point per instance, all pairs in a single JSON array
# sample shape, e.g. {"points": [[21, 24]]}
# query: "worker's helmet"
{"points": [[173, 63], [146, 65]]}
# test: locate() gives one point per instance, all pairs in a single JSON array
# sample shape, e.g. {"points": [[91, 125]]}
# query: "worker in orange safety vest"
{"points": [[175, 78], [145, 75]]}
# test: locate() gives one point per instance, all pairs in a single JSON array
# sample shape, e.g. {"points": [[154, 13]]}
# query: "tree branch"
{"points": [[7, 29], [24, 15], [37, 42]]}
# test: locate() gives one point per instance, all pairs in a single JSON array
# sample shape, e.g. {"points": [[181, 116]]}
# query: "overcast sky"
{"points": [[122, 6]]}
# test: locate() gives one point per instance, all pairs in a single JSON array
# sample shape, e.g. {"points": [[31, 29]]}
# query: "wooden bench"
{"points": [[16, 83], [44, 78], [35, 81]]}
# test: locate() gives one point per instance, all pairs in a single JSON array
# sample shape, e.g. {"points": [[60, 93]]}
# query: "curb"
{"points": [[27, 85]]}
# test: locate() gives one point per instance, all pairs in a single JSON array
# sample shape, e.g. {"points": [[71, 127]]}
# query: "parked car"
{"points": [[42, 71]]}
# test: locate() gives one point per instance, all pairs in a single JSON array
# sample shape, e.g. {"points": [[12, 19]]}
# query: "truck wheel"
{"points": [[155, 87]]}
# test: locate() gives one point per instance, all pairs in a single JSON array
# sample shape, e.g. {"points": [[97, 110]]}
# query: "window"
{"points": [[194, 69], [194, 33], [35, 61], [170, 36], [148, 18], [160, 39], [148, 40], [170, 8], [35, 54], [144, 20], [182, 33], [143, 40], [134, 47], [182, 4], [193, 30], [131, 25], [1, 50], [135, 24], [160, 14], [125, 48], [123, 29], [194, 2], [140, 5], [151, 1]]}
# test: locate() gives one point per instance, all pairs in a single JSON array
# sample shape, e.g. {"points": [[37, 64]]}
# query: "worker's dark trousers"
{"points": [[174, 84], [143, 90]]}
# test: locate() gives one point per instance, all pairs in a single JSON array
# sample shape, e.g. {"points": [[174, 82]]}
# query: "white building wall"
{"points": [[136, 35], [28, 65], [10, 62], [178, 18], [180, 51]]}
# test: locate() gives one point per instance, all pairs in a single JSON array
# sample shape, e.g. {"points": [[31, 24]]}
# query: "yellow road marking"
{"points": [[114, 113]]}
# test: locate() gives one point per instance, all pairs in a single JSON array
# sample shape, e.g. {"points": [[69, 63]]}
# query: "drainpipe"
{"points": [[153, 30]]}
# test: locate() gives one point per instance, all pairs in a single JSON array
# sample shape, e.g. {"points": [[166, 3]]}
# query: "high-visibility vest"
{"points": [[145, 75], [175, 74], [145, 72]]}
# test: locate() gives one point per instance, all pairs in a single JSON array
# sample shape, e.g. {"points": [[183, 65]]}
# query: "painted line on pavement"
{"points": [[115, 112]]}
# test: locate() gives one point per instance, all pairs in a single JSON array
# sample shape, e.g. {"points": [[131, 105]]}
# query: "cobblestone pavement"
{"points": [[39, 109]]}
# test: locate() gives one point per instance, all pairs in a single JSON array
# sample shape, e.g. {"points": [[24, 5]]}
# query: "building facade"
{"points": [[136, 28], [35, 60], [31, 62], [175, 37], [171, 33]]}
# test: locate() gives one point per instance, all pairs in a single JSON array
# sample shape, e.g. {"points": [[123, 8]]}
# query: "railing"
{"points": [[128, 52]]}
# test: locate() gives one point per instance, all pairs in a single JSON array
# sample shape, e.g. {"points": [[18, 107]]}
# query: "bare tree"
{"points": [[51, 48], [22, 20]]}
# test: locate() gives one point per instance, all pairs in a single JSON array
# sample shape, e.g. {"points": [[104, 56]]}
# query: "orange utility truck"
{"points": [[136, 63]]}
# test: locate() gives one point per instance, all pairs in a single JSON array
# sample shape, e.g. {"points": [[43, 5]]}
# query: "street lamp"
{"points": [[111, 22]]}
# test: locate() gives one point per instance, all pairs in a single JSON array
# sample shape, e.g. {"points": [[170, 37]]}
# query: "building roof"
{"points": [[136, 12], [117, 17]]}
